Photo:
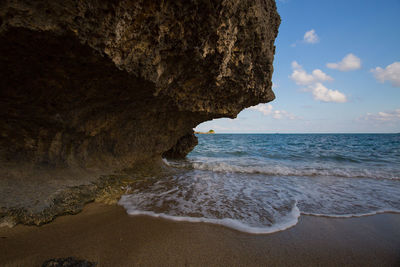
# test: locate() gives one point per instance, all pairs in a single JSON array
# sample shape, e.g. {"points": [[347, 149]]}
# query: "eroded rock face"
{"points": [[103, 85], [184, 145], [70, 261]]}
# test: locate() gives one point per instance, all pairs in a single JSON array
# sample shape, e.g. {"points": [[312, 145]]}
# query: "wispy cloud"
{"points": [[391, 73], [265, 109], [393, 115], [348, 63], [314, 84], [268, 110]]}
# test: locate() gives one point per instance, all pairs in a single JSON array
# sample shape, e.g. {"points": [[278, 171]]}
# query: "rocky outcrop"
{"points": [[68, 262], [99, 86], [184, 145]]}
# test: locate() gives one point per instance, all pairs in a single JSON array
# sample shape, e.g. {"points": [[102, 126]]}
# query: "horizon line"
{"points": [[315, 133]]}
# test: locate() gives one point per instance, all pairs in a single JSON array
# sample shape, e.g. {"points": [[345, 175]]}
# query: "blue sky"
{"points": [[337, 70]]}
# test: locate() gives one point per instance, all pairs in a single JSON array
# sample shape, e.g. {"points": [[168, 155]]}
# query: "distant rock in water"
{"points": [[209, 132], [90, 87]]}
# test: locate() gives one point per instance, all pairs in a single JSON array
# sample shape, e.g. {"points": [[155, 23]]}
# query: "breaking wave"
{"points": [[268, 181]]}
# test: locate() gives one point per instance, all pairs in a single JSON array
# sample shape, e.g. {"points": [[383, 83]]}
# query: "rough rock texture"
{"points": [[68, 262], [104, 85], [69, 200], [184, 145]]}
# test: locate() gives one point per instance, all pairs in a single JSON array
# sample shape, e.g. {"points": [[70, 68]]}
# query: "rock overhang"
{"points": [[103, 85]]}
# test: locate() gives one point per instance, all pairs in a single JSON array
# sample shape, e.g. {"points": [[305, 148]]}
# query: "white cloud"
{"points": [[320, 92], [267, 110], [390, 73], [383, 116], [314, 84], [281, 114], [349, 62], [319, 75], [301, 77], [296, 65], [311, 37]]}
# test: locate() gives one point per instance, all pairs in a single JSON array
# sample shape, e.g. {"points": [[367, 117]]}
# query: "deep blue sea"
{"points": [[262, 183]]}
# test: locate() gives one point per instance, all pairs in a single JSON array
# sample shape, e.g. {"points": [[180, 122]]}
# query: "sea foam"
{"points": [[282, 170], [278, 178], [289, 221]]}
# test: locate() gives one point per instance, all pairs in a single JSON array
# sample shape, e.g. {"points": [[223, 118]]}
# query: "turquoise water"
{"points": [[262, 183]]}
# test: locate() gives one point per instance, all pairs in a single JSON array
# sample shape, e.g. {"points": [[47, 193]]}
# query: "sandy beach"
{"points": [[107, 235], [199, 133]]}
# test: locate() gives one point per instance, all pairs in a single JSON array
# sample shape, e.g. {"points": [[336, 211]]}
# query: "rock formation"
{"points": [[98, 86], [70, 261]]}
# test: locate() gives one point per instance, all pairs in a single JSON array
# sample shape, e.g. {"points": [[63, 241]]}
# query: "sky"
{"points": [[336, 70]]}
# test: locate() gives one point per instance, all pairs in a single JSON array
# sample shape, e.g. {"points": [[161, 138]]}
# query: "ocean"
{"points": [[262, 183]]}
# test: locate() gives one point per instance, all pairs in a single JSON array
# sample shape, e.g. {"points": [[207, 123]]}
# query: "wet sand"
{"points": [[107, 235]]}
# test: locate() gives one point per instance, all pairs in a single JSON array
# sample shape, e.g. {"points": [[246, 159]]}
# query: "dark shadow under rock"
{"points": [[184, 145]]}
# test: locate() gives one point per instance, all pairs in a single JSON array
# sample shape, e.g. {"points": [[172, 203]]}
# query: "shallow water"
{"points": [[262, 183]]}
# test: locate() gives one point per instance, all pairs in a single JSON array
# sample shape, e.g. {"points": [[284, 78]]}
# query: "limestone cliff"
{"points": [[102, 85]]}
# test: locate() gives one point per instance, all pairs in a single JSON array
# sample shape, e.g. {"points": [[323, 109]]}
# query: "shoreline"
{"points": [[106, 234]]}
